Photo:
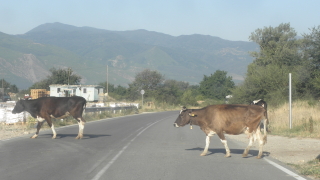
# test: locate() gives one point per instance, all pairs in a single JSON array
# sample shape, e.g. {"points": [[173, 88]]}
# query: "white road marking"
{"points": [[284, 170], [106, 167], [108, 154]]}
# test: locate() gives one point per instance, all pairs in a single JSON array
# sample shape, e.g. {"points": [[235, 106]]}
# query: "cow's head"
{"points": [[183, 118], [19, 107]]}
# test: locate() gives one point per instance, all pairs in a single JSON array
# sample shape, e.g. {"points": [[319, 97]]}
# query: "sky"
{"points": [[233, 20]]}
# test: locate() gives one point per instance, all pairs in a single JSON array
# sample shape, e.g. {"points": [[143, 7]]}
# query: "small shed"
{"points": [[36, 93], [89, 92]]}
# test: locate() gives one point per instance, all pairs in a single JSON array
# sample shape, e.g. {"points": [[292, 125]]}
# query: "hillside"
{"points": [[24, 62], [89, 50]]}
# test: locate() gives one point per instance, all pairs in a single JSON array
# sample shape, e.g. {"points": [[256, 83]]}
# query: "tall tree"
{"points": [[217, 85], [146, 80], [170, 91], [278, 46], [58, 76], [7, 87], [312, 57], [279, 55]]}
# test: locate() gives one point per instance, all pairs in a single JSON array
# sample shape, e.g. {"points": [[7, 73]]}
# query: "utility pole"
{"points": [[107, 90], [290, 103], [107, 80], [142, 93], [68, 77]]}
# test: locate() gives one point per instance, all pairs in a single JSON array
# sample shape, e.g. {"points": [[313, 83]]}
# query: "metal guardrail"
{"points": [[98, 109]]}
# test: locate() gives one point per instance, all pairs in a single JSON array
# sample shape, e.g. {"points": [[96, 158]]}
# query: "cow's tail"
{"points": [[84, 106]]}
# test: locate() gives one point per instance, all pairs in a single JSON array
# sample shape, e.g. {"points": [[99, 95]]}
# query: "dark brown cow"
{"points": [[229, 119], [45, 108]]}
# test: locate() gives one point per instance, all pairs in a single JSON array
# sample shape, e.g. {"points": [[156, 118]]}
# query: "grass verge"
{"points": [[311, 168]]}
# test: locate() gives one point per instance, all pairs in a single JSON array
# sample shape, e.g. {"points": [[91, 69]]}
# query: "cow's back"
{"points": [[58, 106], [232, 117]]}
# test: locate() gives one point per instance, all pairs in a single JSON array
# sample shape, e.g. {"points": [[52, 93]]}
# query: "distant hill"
{"points": [[89, 50]]}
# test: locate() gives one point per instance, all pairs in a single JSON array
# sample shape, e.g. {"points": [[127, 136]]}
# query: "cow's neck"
{"points": [[32, 109], [195, 119]]}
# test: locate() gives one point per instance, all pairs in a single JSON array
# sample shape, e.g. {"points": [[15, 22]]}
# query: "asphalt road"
{"points": [[136, 147]]}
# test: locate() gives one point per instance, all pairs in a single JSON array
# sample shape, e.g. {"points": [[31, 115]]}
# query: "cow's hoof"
{"points": [[244, 155], [227, 155], [34, 136], [258, 157], [203, 154]]}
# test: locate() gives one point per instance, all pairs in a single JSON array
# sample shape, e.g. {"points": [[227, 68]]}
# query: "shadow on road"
{"points": [[85, 136], [252, 153]]}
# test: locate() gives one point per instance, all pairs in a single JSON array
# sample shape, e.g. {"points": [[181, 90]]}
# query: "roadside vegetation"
{"points": [[311, 168], [305, 120]]}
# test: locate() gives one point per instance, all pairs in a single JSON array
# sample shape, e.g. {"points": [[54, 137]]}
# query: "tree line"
{"points": [[281, 52]]}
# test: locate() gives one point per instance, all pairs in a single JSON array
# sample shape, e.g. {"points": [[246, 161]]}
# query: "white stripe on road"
{"points": [[105, 168], [284, 170]]}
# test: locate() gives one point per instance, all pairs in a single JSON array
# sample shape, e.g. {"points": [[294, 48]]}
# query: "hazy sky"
{"points": [[228, 19]]}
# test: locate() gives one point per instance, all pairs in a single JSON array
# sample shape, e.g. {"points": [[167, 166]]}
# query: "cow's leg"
{"points": [[52, 128], [251, 140], [81, 123], [38, 129], [265, 131], [261, 141], [224, 142], [205, 151]]}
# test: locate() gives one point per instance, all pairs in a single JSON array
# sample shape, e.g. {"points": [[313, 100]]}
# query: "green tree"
{"points": [[216, 86], [170, 91], [58, 76], [147, 80], [278, 46], [118, 92], [267, 77], [262, 83], [312, 59], [188, 98], [7, 87]]}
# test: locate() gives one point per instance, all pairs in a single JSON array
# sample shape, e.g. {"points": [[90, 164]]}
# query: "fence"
{"points": [[6, 116], [110, 109]]}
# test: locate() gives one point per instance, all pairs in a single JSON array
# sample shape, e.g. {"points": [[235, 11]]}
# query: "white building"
{"points": [[89, 92]]}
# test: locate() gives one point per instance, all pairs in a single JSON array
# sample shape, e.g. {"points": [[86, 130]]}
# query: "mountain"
{"points": [[24, 62], [88, 51]]}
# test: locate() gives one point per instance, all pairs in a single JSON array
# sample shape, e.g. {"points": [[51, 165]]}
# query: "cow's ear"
{"points": [[191, 114]]}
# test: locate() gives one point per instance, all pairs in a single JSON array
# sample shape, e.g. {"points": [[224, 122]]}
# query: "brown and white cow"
{"points": [[229, 119], [45, 108]]}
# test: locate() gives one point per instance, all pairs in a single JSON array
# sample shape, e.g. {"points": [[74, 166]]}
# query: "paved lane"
{"points": [[145, 146]]}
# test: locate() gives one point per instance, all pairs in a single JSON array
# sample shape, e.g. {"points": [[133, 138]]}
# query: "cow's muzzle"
{"points": [[176, 125]]}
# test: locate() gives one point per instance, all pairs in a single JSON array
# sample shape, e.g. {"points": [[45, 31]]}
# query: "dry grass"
{"points": [[305, 120], [311, 168]]}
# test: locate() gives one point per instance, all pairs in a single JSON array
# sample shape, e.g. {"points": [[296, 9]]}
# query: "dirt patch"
{"points": [[12, 130], [287, 150]]}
